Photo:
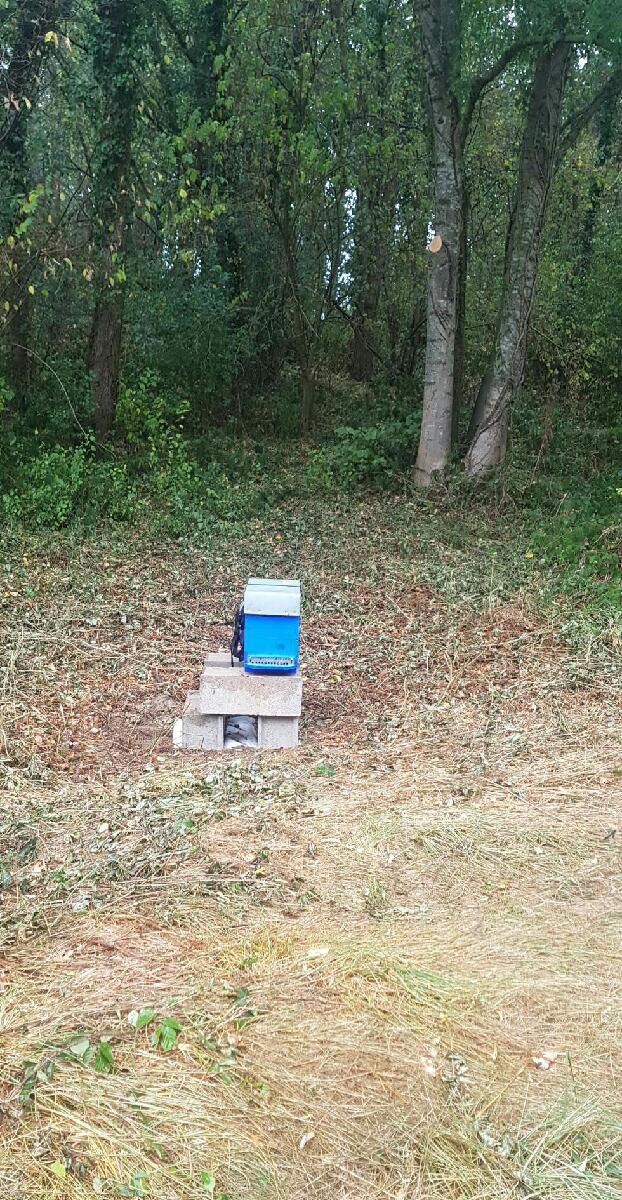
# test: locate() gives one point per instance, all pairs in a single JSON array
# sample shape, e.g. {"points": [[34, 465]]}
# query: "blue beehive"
{"points": [[271, 625]]}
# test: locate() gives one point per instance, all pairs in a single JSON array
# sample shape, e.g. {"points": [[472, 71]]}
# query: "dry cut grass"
{"points": [[383, 986], [385, 968]]}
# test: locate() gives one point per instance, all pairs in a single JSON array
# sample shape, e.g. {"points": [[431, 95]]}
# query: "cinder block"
{"points": [[228, 690], [199, 730], [277, 733], [222, 658]]}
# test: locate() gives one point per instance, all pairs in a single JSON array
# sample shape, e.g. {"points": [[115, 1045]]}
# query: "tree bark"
{"points": [[105, 358], [605, 119], [115, 75], [441, 37], [23, 71], [307, 397], [365, 290], [285, 201], [374, 216], [504, 373], [459, 344]]}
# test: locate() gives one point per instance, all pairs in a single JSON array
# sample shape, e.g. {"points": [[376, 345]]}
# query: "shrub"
{"points": [[372, 456], [6, 394], [584, 540], [109, 492], [175, 492], [149, 418], [190, 329], [52, 483]]}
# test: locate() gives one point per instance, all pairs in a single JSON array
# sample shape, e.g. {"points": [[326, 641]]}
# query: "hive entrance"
{"points": [[240, 731]]}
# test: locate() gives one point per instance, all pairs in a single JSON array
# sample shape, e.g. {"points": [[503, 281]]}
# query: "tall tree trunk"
{"points": [[307, 395], [115, 74], [441, 37], [365, 289], [283, 203], [105, 358], [504, 373], [604, 133], [23, 71], [460, 322], [374, 216], [373, 223], [19, 335]]}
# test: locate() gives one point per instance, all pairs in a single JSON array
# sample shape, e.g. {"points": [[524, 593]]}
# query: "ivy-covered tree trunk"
{"points": [[288, 168], [374, 215], [441, 38], [366, 283], [504, 374], [28, 53], [115, 73], [19, 317]]}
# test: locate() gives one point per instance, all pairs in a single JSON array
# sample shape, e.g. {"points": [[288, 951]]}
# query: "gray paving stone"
{"points": [[277, 733], [199, 730]]}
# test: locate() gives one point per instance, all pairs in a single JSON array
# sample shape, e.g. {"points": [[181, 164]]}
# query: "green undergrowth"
{"points": [[551, 523]]}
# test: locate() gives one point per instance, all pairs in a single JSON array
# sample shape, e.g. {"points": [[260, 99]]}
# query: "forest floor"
{"points": [[387, 964]]}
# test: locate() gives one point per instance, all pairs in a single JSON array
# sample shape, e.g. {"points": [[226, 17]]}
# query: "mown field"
{"points": [[387, 964]]}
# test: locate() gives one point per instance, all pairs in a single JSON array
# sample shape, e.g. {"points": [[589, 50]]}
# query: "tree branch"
{"points": [[180, 36], [575, 124], [350, 319], [483, 81]]}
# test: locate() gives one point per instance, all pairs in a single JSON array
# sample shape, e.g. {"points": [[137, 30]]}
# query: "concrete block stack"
{"points": [[228, 691]]}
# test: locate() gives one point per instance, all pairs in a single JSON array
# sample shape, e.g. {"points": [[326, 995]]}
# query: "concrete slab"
{"points": [[222, 658], [227, 690], [277, 733], [199, 730]]}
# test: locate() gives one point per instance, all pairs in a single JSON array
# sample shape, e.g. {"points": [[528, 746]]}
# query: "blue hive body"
{"points": [[271, 625]]}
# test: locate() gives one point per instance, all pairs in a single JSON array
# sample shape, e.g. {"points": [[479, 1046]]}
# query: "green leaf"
{"points": [[80, 1046], [136, 1186], [165, 1036], [138, 1020], [59, 1169], [103, 1060]]}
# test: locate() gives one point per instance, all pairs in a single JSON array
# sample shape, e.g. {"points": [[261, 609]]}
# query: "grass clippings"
{"points": [[385, 965]]}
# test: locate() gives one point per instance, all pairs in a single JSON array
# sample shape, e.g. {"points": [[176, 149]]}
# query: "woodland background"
{"points": [[304, 248]]}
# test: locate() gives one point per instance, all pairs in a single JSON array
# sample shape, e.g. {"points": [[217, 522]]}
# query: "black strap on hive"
{"points": [[237, 642]]}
